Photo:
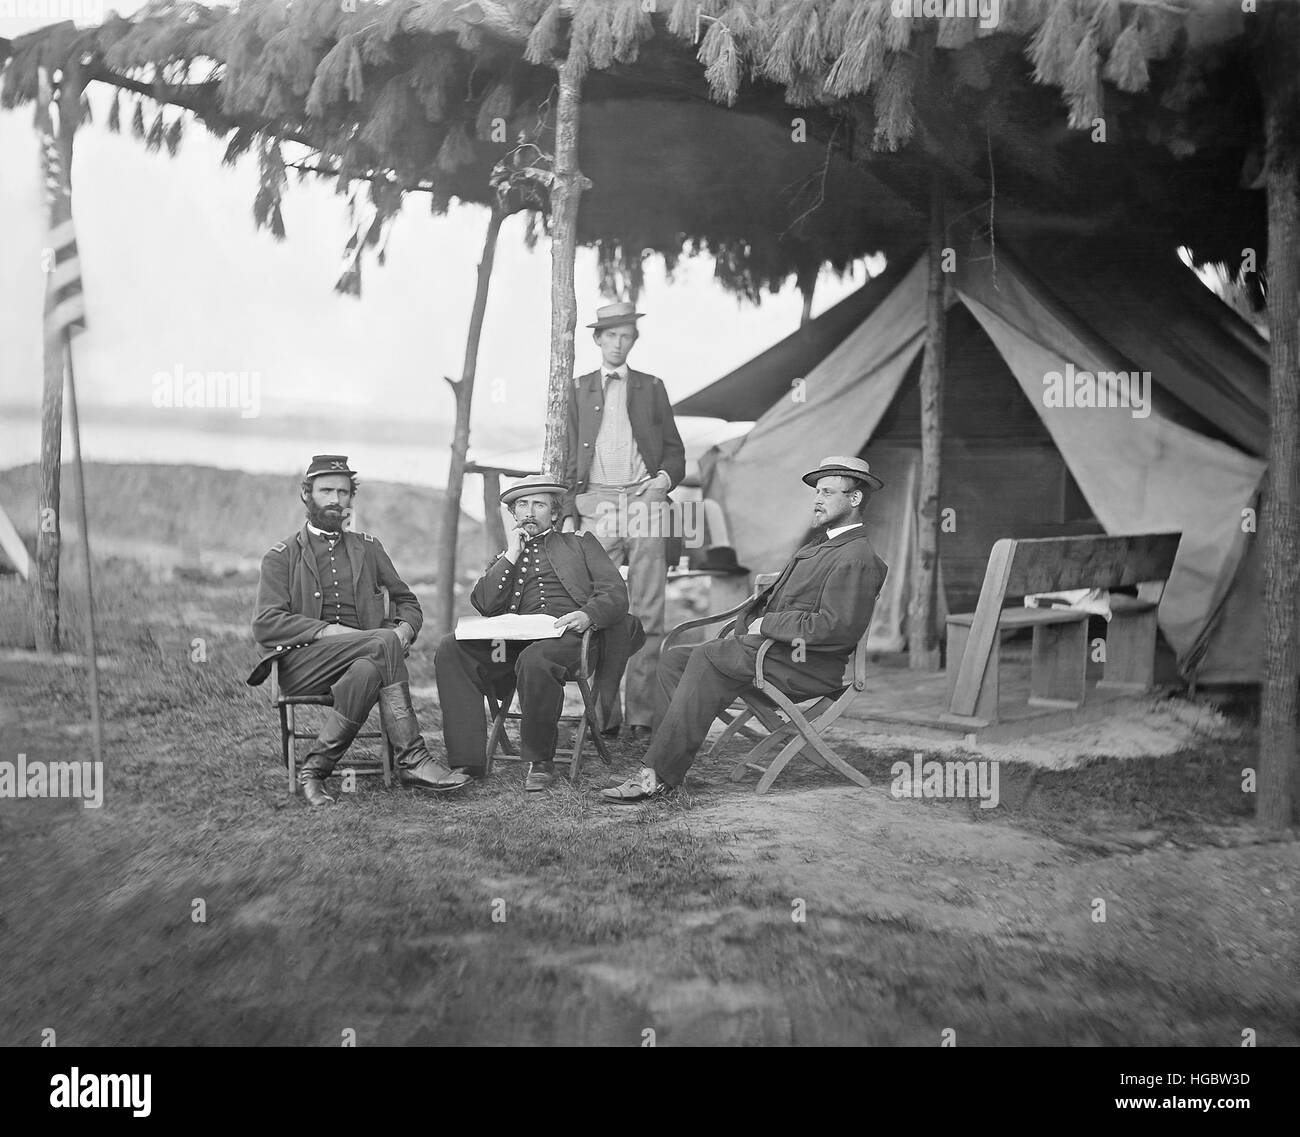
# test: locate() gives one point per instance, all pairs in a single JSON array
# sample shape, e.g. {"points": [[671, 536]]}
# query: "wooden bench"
{"points": [[1059, 657]]}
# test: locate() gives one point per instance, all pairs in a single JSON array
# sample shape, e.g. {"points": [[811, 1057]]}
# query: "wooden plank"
{"points": [[1058, 670], [1130, 650], [1026, 617], [1056, 564], [974, 670]]}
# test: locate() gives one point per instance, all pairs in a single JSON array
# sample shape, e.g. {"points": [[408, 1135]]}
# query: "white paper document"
{"points": [[513, 627]]}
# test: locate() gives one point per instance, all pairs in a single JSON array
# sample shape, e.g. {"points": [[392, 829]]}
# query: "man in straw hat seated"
{"points": [[320, 615], [816, 611], [541, 572]]}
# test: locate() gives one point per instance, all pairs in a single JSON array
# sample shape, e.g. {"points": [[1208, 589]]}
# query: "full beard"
{"points": [[328, 517]]}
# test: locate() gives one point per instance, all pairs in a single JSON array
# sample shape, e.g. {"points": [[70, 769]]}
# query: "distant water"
{"points": [[261, 453]]}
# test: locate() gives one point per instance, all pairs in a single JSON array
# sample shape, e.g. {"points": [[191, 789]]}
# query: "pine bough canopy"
{"points": [[779, 136]]}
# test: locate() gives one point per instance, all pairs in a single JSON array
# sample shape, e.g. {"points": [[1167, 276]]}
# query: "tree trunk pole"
{"points": [[565, 196], [57, 170], [922, 639], [805, 315], [445, 608], [1280, 703], [92, 649], [494, 528], [47, 503]]}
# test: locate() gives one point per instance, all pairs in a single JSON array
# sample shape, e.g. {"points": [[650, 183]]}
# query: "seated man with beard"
{"points": [[816, 611], [541, 572], [320, 614]]}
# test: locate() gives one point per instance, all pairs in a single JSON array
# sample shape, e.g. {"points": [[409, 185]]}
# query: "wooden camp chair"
{"points": [[796, 730], [586, 725], [291, 734]]}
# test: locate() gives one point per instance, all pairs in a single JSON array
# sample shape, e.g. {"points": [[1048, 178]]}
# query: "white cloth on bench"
{"points": [[1093, 600]]}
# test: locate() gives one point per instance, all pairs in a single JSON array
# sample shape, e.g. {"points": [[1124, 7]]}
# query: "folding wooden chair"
{"points": [[291, 735], [794, 729], [586, 725]]}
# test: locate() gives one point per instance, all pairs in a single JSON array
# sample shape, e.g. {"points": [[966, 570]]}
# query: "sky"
{"points": [[177, 280]]}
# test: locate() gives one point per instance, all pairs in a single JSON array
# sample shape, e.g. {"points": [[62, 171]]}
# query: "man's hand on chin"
{"points": [[574, 622]]}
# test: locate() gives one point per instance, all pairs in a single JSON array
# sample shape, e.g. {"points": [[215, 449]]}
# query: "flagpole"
{"points": [[92, 656]]}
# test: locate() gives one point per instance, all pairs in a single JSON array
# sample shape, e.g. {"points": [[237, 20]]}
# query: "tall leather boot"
{"points": [[415, 765], [330, 745]]}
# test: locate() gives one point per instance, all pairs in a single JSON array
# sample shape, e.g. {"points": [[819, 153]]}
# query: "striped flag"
{"points": [[65, 309]]}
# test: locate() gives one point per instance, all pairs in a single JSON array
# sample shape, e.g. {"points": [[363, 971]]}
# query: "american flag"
{"points": [[65, 310]]}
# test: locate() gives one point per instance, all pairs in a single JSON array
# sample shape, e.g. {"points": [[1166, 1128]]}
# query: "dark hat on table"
{"points": [[847, 466], [329, 464], [536, 484], [721, 559], [616, 315]]}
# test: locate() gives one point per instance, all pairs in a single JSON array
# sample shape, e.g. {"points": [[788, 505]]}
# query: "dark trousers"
{"points": [[352, 668], [466, 671], [696, 681]]}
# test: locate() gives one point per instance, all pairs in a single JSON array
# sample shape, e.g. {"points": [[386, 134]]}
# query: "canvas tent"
{"points": [[13, 553], [1014, 464]]}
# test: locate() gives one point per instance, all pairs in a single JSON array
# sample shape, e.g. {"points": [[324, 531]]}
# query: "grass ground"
{"points": [[493, 916]]}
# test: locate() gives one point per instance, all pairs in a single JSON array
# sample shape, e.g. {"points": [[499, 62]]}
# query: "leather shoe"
{"points": [[540, 776], [432, 774], [645, 785], [474, 773], [313, 789], [640, 733]]}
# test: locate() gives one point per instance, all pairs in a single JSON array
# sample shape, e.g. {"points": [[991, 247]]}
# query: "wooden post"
{"points": [[1279, 705], [57, 142], [47, 502], [494, 527], [463, 390], [92, 653], [565, 196], [922, 637]]}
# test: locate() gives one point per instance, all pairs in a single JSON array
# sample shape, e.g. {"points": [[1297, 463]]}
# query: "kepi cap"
{"points": [[329, 464]]}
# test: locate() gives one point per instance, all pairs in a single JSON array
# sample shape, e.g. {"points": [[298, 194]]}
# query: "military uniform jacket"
{"points": [[823, 598], [289, 595], [594, 584], [651, 418]]}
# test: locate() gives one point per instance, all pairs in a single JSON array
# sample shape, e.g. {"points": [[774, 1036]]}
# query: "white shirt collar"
{"points": [[831, 533], [620, 371], [321, 532]]}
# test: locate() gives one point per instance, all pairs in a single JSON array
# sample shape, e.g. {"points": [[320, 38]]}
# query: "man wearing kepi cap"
{"points": [[541, 572], [320, 614], [816, 611], [625, 454]]}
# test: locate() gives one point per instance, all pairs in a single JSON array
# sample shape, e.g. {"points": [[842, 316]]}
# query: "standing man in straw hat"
{"points": [[625, 455], [320, 614], [815, 611], [541, 572]]}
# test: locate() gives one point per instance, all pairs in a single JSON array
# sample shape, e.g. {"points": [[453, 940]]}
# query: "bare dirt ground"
{"points": [[492, 916]]}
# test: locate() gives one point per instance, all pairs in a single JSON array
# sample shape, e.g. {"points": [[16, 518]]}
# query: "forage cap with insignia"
{"points": [[329, 464]]}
